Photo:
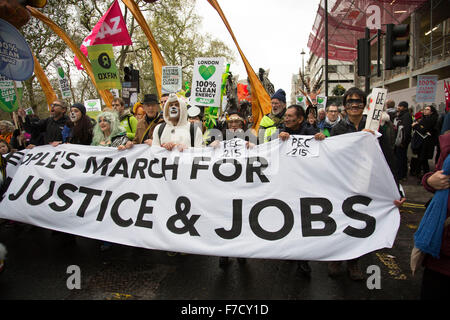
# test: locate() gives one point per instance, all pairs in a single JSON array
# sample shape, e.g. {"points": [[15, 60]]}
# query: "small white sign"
{"points": [[93, 105], [375, 108], [302, 146], [301, 101], [233, 148], [171, 79], [63, 81], [321, 102], [207, 81]]}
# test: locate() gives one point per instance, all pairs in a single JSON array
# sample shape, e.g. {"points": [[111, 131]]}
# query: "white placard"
{"points": [[63, 81], [171, 79], [93, 105], [207, 82], [375, 108], [302, 146]]}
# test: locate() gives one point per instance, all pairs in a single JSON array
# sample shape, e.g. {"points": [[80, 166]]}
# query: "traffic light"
{"points": [[394, 47], [363, 57], [128, 77]]}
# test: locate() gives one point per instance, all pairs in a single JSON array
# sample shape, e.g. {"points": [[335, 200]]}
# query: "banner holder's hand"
{"points": [[284, 136], [399, 203]]}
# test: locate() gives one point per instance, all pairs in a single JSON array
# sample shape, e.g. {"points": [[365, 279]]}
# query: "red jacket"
{"points": [[441, 265]]}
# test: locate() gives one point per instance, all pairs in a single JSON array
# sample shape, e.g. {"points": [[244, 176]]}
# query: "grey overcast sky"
{"points": [[270, 33]]}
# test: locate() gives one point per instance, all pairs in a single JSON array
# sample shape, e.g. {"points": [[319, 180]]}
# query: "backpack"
{"points": [[400, 136], [191, 130]]}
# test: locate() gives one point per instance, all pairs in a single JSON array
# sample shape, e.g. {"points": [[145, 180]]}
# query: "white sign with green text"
{"points": [[207, 81]]}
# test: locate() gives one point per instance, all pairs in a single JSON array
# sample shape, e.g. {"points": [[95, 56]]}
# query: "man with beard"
{"points": [[274, 119], [51, 127], [331, 119], [146, 126]]}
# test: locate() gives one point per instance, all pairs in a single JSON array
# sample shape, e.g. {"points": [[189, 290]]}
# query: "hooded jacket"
{"points": [[179, 133]]}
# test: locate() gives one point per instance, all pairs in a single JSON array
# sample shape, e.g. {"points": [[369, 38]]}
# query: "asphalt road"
{"points": [[39, 260]]}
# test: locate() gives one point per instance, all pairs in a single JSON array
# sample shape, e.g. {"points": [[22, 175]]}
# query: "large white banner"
{"points": [[299, 199]]}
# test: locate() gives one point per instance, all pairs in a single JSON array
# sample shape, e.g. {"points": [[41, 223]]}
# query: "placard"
{"points": [[171, 79], [375, 108], [207, 81]]}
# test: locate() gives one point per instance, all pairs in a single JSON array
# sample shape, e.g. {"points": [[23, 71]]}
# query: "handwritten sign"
{"points": [[375, 108], [302, 146], [234, 148]]}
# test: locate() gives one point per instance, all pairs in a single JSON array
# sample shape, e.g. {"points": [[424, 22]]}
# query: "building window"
{"points": [[332, 69], [351, 68]]}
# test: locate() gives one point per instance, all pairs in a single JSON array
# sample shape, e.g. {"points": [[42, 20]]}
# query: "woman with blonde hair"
{"points": [[108, 132]]}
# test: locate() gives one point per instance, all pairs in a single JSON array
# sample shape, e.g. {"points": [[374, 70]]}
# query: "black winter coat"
{"points": [[51, 129]]}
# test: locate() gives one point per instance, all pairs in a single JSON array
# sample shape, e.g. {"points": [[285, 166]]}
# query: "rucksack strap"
{"points": [[192, 130], [160, 130]]}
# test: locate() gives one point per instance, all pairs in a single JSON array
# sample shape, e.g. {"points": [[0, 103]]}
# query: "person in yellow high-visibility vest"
{"points": [[271, 121]]}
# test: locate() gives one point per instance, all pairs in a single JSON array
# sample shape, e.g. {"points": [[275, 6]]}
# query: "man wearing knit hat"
{"points": [[271, 121]]}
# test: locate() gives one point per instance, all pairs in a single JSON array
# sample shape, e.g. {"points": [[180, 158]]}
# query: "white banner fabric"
{"points": [[257, 203]]}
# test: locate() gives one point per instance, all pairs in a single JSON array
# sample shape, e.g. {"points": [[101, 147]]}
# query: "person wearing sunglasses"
{"points": [[354, 101]]}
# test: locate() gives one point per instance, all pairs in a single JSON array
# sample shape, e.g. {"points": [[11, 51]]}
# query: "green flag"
{"points": [[104, 66]]}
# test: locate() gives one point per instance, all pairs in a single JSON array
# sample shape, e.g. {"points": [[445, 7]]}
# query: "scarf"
{"points": [[332, 124], [428, 237]]}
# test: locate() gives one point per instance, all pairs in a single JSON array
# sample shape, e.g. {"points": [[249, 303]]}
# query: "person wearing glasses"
{"points": [[51, 127], [354, 102], [332, 118]]}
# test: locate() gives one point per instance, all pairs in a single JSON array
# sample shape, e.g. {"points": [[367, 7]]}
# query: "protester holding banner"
{"points": [[294, 123], [271, 121], [354, 101], [127, 120], [79, 128], [146, 126], [176, 131], [51, 127], [108, 132]]}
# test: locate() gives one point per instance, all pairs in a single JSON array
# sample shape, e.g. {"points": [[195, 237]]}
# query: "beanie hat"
{"points": [[280, 95], [80, 107], [403, 104]]}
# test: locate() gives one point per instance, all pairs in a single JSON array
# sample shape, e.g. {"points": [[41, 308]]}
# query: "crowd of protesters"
{"points": [[173, 124]]}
